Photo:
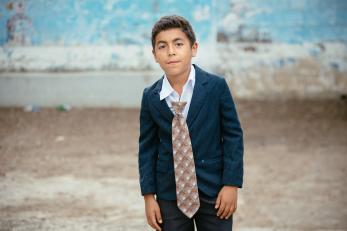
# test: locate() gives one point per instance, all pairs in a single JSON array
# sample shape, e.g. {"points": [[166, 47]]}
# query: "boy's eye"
{"points": [[179, 44], [161, 46]]}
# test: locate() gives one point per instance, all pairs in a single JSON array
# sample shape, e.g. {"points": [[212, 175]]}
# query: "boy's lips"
{"points": [[172, 62]]}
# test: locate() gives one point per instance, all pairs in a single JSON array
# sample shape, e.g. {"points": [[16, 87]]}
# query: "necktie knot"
{"points": [[178, 107]]}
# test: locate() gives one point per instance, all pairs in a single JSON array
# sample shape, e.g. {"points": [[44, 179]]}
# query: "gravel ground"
{"points": [[77, 170]]}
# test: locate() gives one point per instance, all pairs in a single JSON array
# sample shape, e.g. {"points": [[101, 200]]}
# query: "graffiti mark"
{"points": [[234, 27], [19, 26], [250, 49], [244, 34]]}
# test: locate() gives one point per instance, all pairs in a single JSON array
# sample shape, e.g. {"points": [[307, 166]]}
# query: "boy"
{"points": [[191, 141]]}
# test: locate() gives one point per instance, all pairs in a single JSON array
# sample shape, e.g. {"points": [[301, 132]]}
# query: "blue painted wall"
{"points": [[75, 22], [288, 21], [99, 22]]}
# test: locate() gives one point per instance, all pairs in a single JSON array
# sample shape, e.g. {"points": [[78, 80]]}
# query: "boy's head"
{"points": [[174, 44], [171, 22]]}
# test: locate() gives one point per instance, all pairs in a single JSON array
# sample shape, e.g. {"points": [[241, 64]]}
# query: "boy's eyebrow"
{"points": [[174, 40]]}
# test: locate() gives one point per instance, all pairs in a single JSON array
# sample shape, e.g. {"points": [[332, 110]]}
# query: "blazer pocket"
{"points": [[215, 163]]}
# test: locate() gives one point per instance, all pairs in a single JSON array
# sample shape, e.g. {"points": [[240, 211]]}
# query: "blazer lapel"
{"points": [[198, 98], [161, 105], [199, 95]]}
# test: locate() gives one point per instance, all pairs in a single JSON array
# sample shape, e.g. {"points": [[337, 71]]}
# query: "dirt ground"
{"points": [[77, 170]]}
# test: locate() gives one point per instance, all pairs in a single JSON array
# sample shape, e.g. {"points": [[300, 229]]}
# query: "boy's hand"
{"points": [[226, 202], [152, 212]]}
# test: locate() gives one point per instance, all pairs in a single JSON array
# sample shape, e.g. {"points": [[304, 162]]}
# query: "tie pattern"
{"points": [[185, 176]]}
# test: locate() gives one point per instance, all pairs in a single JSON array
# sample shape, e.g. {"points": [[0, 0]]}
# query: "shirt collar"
{"points": [[166, 88]]}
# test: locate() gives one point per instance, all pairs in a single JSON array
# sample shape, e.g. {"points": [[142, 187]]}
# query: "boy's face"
{"points": [[173, 51]]}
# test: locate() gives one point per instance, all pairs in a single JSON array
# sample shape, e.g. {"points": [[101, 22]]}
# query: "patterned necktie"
{"points": [[186, 183]]}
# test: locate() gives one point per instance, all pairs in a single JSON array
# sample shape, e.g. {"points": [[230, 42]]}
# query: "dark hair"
{"points": [[170, 22]]}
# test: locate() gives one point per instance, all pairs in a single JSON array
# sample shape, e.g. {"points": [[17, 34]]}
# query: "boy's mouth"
{"points": [[172, 62]]}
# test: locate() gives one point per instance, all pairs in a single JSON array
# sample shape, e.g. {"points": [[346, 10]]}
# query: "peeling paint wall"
{"points": [[285, 21], [284, 70], [94, 22], [282, 47]]}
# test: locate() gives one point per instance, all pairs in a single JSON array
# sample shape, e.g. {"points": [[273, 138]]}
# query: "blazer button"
{"points": [[203, 163]]}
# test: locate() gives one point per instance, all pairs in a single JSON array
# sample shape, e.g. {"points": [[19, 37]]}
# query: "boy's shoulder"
{"points": [[214, 81], [207, 75]]}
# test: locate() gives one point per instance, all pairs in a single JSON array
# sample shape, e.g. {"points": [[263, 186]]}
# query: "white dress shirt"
{"points": [[169, 94]]}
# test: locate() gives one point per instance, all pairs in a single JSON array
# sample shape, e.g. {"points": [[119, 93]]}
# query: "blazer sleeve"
{"points": [[232, 139], [148, 146]]}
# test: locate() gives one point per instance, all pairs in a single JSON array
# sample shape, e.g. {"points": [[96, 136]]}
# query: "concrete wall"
{"points": [[284, 48], [281, 48], [78, 89]]}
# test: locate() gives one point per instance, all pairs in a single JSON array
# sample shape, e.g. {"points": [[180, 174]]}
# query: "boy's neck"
{"points": [[177, 82]]}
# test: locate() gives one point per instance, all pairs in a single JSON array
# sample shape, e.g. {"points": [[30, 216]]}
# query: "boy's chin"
{"points": [[174, 71]]}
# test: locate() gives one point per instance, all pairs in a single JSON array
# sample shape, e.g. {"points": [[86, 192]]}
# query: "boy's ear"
{"points": [[195, 49]]}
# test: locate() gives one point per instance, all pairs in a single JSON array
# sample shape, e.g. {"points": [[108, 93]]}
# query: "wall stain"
{"points": [[19, 26]]}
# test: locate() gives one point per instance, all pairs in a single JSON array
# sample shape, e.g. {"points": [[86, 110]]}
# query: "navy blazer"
{"points": [[215, 132]]}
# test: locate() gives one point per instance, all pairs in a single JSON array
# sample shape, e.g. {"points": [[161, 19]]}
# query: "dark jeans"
{"points": [[205, 218]]}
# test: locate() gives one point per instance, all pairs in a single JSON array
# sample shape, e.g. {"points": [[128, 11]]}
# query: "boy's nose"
{"points": [[171, 51]]}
